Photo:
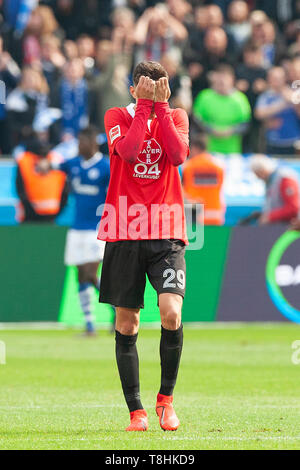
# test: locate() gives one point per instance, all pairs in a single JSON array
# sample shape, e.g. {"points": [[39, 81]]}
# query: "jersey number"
{"points": [[142, 169], [171, 274]]}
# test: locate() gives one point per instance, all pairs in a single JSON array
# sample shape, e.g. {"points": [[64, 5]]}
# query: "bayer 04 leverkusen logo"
{"points": [[150, 153]]}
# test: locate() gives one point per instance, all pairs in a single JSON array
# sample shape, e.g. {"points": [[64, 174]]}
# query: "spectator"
{"points": [[264, 35], [180, 82], [41, 22], [294, 49], [282, 201], [110, 86], [206, 17], [275, 108], [156, 33], [25, 102], [73, 97], [239, 25], [70, 49], [86, 52], [67, 13], [9, 75], [52, 59], [215, 51], [17, 14], [181, 10], [251, 80], [279, 11], [104, 51], [203, 178], [42, 197], [123, 21], [251, 74], [223, 112]]}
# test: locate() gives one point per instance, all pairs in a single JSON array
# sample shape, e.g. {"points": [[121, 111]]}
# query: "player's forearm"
{"points": [[289, 192], [265, 112], [130, 146], [284, 213], [176, 149]]}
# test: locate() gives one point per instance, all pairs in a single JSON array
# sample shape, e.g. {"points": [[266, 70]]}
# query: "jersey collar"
{"points": [[131, 111], [92, 161]]}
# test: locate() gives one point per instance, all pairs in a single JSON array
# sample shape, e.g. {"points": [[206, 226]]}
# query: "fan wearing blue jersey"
{"points": [[88, 175]]}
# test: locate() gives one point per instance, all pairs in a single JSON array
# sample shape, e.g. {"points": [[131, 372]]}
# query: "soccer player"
{"points": [[147, 141], [89, 175]]}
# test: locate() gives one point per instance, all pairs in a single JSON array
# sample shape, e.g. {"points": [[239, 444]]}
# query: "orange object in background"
{"points": [[203, 177], [44, 191]]}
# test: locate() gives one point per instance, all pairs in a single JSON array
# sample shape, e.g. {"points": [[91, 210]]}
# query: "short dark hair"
{"points": [[151, 69], [89, 131], [225, 69], [199, 141]]}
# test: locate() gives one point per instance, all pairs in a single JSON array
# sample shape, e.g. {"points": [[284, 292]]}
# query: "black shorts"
{"points": [[126, 264]]}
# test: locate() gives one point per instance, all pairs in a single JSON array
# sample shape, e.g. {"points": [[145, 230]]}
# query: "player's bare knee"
{"points": [[171, 320], [127, 329], [127, 321], [170, 311], [171, 316]]}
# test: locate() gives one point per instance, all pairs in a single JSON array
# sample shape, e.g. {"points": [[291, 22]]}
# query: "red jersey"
{"points": [[145, 198]]}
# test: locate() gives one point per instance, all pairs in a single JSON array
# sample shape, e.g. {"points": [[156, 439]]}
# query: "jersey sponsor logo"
{"points": [[114, 133], [150, 153], [147, 165], [94, 173], [86, 189]]}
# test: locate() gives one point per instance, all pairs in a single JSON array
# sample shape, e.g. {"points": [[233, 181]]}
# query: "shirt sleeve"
{"points": [[61, 166], [289, 192], [245, 108], [262, 101], [115, 127], [175, 132], [127, 141]]}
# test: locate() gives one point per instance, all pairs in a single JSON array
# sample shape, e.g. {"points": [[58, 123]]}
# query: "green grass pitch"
{"points": [[237, 389]]}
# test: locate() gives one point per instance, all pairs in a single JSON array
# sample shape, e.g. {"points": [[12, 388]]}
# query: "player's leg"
{"points": [[85, 292], [75, 255], [123, 283], [170, 353], [167, 275], [171, 340], [95, 250], [127, 325], [89, 273]]}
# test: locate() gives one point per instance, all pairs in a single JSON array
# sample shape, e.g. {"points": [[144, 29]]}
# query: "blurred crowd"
{"points": [[233, 65]]}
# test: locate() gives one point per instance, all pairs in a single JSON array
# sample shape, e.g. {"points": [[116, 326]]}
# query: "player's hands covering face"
{"points": [[162, 90], [145, 89]]}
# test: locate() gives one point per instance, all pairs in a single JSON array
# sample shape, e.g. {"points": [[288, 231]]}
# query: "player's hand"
{"points": [[295, 225], [145, 89], [264, 219], [162, 90]]}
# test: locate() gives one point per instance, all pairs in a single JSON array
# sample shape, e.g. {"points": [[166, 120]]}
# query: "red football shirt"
{"points": [[145, 198]]}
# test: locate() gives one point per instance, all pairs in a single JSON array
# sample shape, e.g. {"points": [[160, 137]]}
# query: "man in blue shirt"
{"points": [[88, 175], [280, 115]]}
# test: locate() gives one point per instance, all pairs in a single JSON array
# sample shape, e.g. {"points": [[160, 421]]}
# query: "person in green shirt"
{"points": [[223, 112]]}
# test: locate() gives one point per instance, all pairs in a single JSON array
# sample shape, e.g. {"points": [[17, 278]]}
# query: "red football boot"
{"points": [[138, 421], [167, 417]]}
